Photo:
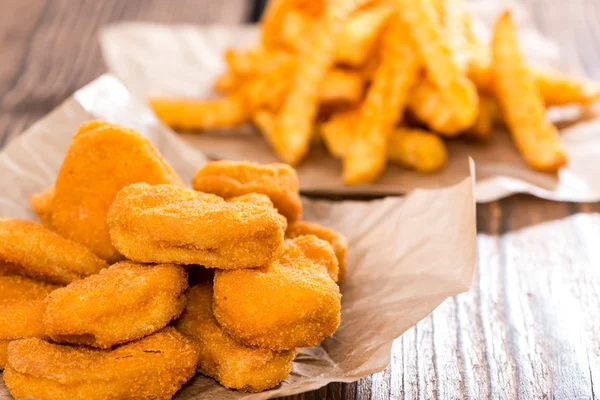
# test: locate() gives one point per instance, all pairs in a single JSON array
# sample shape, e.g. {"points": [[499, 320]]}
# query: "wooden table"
{"points": [[530, 325]]}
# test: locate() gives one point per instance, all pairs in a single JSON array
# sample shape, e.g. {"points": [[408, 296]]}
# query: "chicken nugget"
{"points": [[291, 303], [171, 224], [122, 303], [29, 249], [154, 367], [21, 310], [338, 242], [235, 178], [41, 203], [101, 160], [234, 365]]}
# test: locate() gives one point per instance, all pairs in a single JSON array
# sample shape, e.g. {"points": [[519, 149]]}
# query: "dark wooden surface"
{"points": [[530, 325]]}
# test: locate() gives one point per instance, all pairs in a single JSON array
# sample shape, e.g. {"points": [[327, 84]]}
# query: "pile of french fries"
{"points": [[383, 81]]}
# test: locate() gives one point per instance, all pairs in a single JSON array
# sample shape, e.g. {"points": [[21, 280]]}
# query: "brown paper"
{"points": [[406, 254], [184, 60]]}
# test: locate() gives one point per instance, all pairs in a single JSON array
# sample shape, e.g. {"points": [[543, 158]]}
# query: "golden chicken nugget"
{"points": [[171, 224], [29, 249], [294, 126], [234, 178], [122, 303], [338, 242], [522, 106], [383, 107], [458, 92], [420, 150], [154, 367], [41, 203], [361, 31], [291, 303], [21, 310], [193, 114], [98, 164], [234, 365]]}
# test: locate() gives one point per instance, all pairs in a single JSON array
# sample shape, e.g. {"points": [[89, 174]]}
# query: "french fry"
{"points": [[294, 127], [189, 114], [556, 88], [342, 86], [559, 89], [522, 105], [360, 33], [430, 107], [272, 20], [295, 29], [383, 106], [457, 24], [338, 132], [256, 61], [459, 93], [417, 149], [489, 115], [265, 122], [226, 82]]}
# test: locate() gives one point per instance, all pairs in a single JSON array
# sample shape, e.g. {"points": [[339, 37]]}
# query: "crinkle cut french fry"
{"points": [[489, 115], [556, 88], [256, 61], [225, 83], [536, 138], [459, 93], [457, 24], [430, 107], [295, 29], [342, 86], [265, 122], [294, 126], [420, 150], [559, 89], [383, 106], [361, 31], [189, 114], [272, 20], [338, 132]]}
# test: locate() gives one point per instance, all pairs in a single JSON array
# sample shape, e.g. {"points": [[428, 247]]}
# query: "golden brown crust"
{"points": [[4, 352], [292, 303], [22, 307], [27, 248], [122, 303], [170, 224], [232, 178], [153, 367], [234, 365], [101, 160], [338, 242]]}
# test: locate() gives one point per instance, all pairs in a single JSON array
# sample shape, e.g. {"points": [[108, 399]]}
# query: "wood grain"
{"points": [[529, 327]]}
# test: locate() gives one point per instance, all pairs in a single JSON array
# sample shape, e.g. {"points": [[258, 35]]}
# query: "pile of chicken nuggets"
{"points": [[133, 282], [383, 81]]}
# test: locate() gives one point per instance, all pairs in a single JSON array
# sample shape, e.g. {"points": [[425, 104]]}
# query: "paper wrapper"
{"points": [[184, 60], [406, 254]]}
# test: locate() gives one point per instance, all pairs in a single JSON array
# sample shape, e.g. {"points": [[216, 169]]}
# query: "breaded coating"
{"points": [[338, 242], [21, 310], [170, 224], [292, 303], [29, 249], [124, 302], [233, 178], [41, 203], [234, 365], [258, 200], [101, 160], [154, 367]]}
